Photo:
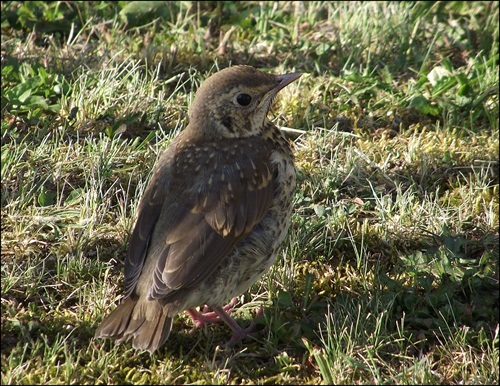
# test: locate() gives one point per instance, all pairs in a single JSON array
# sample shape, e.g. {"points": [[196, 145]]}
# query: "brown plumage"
{"points": [[214, 214]]}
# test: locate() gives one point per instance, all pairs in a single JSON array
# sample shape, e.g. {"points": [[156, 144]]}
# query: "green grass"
{"points": [[390, 270]]}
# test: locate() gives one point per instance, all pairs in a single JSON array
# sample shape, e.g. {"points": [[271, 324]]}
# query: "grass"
{"points": [[390, 270]]}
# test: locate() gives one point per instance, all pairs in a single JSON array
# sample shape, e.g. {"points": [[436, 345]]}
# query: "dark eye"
{"points": [[243, 99]]}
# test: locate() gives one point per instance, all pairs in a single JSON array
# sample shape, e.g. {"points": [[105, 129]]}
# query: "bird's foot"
{"points": [[207, 316], [239, 333]]}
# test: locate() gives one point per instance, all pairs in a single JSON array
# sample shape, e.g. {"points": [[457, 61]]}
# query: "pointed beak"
{"points": [[283, 81]]}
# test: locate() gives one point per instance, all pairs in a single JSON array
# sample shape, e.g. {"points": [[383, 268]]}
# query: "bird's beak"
{"points": [[283, 81]]}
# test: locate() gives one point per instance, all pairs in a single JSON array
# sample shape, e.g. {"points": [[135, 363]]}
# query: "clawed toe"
{"points": [[240, 333], [207, 316], [223, 314]]}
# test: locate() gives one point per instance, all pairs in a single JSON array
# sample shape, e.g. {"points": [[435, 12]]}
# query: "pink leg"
{"points": [[238, 332], [200, 318]]}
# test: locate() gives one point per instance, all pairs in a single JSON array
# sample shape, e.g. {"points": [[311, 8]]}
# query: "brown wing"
{"points": [[149, 210], [215, 196]]}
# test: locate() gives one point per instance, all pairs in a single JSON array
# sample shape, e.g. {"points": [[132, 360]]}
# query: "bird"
{"points": [[214, 214]]}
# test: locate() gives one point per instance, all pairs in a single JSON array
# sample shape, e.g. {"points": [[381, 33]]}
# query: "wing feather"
{"points": [[193, 223]]}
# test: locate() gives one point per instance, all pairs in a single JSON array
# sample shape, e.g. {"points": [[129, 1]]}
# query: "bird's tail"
{"points": [[146, 322]]}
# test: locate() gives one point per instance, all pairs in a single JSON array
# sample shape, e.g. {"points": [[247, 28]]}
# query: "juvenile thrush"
{"points": [[214, 213]]}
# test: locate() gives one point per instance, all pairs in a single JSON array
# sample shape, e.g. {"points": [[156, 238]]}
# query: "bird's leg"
{"points": [[200, 318], [239, 333]]}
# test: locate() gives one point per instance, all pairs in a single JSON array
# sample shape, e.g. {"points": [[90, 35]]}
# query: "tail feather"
{"points": [[146, 322], [152, 334]]}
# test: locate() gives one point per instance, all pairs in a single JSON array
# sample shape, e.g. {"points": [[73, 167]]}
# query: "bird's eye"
{"points": [[243, 99]]}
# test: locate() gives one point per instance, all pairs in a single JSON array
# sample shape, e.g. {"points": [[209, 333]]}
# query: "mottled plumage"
{"points": [[215, 212]]}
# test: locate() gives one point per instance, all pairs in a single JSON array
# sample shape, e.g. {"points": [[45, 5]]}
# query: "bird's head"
{"points": [[234, 102]]}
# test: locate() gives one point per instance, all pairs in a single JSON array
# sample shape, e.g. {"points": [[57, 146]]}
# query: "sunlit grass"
{"points": [[390, 270]]}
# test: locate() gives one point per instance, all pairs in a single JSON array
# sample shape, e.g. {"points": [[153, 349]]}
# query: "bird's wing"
{"points": [[149, 211], [216, 195]]}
